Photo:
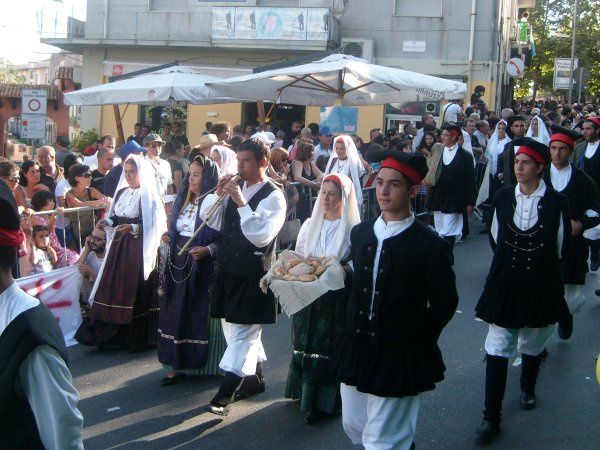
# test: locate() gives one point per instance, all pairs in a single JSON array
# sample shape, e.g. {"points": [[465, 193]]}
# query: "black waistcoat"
{"points": [[29, 330], [524, 287], [455, 189], [582, 195], [392, 350], [237, 255], [235, 294], [591, 166]]}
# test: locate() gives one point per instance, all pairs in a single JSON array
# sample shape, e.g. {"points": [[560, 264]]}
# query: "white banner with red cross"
{"points": [[59, 291]]}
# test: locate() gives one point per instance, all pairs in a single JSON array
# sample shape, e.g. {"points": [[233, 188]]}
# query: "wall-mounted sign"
{"points": [[289, 24], [414, 46]]}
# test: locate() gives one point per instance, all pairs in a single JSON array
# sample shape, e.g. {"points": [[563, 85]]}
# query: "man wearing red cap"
{"points": [[38, 403], [582, 193], [388, 353], [454, 191], [523, 295], [587, 158]]}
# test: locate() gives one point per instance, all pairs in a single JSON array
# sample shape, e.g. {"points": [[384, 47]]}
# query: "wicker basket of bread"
{"points": [[297, 281]]}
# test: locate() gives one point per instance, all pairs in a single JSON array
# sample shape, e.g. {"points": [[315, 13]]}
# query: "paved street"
{"points": [[125, 408]]}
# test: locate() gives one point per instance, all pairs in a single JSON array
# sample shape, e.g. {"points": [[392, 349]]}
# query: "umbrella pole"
{"points": [[118, 119], [260, 105]]}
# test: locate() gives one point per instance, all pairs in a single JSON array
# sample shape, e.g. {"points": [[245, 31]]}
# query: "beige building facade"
{"points": [[465, 40]]}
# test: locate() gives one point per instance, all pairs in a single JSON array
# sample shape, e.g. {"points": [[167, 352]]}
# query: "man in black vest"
{"points": [[250, 218], [506, 161], [523, 295], [582, 193], [388, 352], [38, 403], [587, 158], [454, 191]]}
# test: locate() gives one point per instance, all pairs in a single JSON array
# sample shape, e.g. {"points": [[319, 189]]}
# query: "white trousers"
{"points": [[379, 423], [506, 342], [575, 297], [448, 224], [244, 348]]}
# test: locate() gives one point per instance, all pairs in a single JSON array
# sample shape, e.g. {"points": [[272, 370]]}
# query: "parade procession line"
{"points": [[154, 417]]}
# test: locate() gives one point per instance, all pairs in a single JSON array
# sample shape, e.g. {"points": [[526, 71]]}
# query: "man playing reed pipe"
{"points": [[250, 216]]}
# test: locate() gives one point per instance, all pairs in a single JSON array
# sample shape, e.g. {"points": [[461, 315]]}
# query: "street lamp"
{"points": [[573, 45]]}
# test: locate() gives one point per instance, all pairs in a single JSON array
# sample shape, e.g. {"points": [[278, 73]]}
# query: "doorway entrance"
{"points": [[280, 119]]}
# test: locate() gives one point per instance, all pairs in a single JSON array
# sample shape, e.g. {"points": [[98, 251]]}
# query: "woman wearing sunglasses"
{"points": [[82, 194]]}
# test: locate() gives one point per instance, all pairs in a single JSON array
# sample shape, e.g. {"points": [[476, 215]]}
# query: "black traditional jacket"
{"points": [[390, 348]]}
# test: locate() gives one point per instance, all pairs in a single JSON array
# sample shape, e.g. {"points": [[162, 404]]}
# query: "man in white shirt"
{"points": [[91, 258], [250, 218], [451, 112], [587, 158], [38, 402], [523, 295], [454, 191], [164, 178]]}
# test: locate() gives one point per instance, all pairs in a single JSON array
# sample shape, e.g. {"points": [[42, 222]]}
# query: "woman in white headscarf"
{"points": [[316, 327], [493, 151], [538, 131], [225, 158], [122, 310], [346, 160]]}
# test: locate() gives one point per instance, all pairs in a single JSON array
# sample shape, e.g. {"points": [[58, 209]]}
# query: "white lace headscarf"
{"points": [[350, 217], [154, 219], [495, 147], [354, 170], [542, 134], [228, 164]]}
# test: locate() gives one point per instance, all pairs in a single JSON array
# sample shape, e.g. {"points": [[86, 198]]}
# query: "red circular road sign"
{"points": [[34, 104]]}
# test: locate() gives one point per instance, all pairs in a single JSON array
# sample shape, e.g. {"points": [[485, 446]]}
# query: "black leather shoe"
{"points": [[312, 416], [565, 328], [527, 401], [168, 381], [488, 431], [244, 392], [597, 292]]}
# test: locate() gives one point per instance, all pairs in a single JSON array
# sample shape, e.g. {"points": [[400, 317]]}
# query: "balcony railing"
{"points": [[56, 25]]}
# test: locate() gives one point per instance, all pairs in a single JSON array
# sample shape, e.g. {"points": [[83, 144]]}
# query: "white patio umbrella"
{"points": [[164, 87], [352, 81]]}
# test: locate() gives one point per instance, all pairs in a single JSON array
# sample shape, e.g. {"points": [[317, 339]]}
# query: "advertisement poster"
{"points": [[289, 24], [341, 119]]}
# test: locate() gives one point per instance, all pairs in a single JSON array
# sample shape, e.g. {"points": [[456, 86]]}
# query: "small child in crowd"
{"points": [[42, 257]]}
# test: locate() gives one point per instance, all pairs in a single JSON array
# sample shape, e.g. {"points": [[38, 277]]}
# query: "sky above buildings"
{"points": [[20, 26]]}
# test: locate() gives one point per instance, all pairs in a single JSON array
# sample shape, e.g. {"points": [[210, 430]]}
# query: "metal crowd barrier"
{"points": [[77, 210]]}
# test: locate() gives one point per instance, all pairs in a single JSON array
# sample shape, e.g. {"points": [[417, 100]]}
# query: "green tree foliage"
{"points": [[84, 139], [550, 17], [8, 74]]}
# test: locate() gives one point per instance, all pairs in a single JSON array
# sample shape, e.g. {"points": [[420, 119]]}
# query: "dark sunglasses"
{"points": [[86, 175]]}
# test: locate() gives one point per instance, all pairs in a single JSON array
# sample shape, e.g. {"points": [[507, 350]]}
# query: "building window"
{"points": [[169, 5], [418, 8]]}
